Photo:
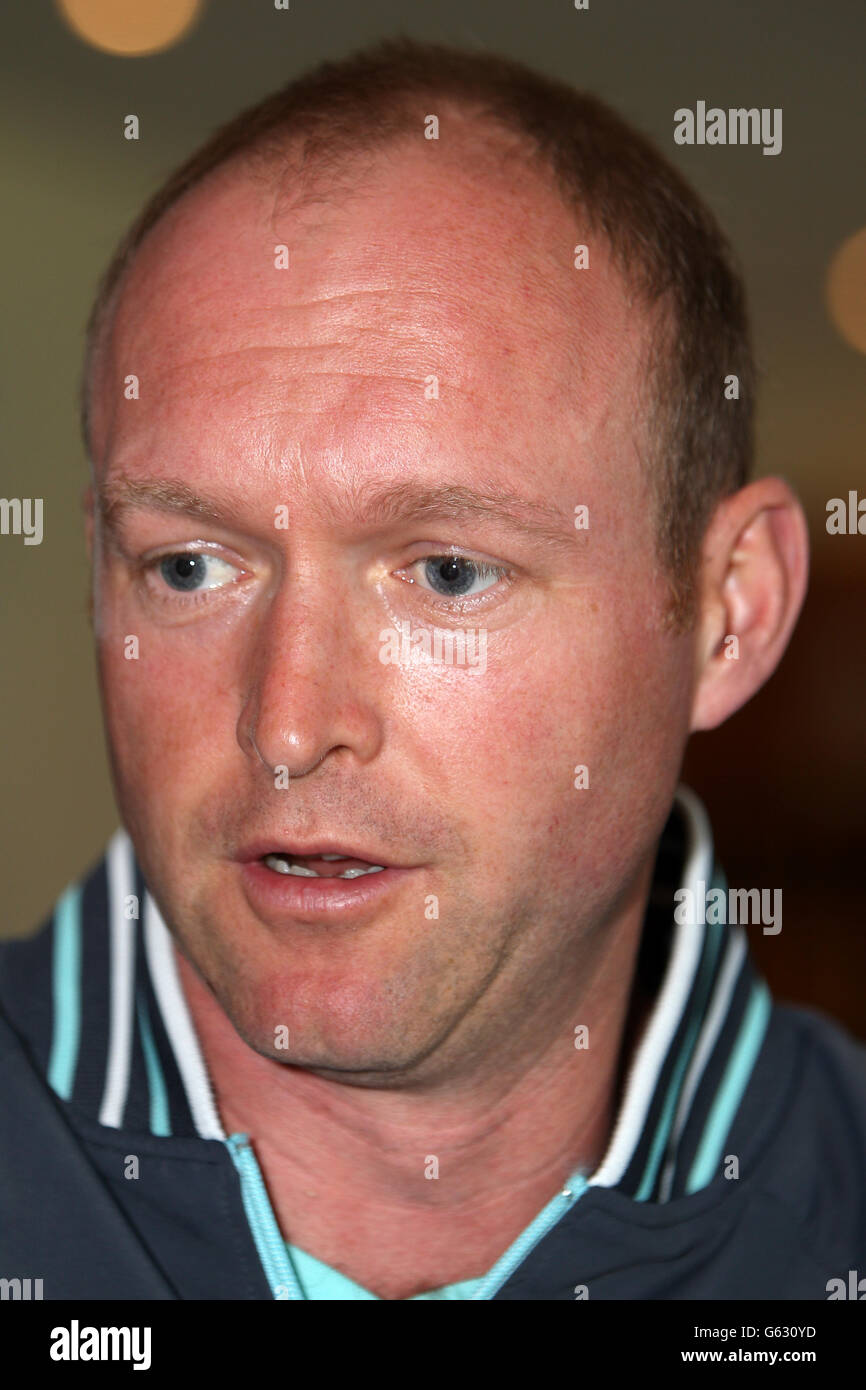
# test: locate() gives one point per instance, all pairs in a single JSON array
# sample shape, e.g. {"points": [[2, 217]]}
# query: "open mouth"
{"points": [[332, 882], [320, 865]]}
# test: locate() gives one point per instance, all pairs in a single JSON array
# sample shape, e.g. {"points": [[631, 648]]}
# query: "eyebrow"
{"points": [[116, 496], [370, 504]]}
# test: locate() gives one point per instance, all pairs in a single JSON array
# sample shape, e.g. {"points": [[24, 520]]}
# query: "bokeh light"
{"points": [[846, 290], [130, 28]]}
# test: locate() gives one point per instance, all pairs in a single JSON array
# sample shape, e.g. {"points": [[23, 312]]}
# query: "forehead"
{"points": [[428, 306]]}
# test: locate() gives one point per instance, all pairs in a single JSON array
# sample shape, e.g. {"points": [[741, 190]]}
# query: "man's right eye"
{"points": [[192, 571]]}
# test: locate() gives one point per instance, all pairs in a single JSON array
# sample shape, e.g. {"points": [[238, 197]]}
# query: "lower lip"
{"points": [[279, 899]]}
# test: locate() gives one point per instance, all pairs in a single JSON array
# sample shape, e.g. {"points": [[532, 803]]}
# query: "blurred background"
{"points": [[784, 779]]}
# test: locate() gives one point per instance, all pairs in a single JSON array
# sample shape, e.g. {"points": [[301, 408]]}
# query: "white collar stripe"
{"points": [[178, 1023], [668, 1011], [706, 973], [717, 1013], [120, 866]]}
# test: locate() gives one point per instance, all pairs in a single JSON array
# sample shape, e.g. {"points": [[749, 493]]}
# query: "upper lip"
{"points": [[257, 849]]}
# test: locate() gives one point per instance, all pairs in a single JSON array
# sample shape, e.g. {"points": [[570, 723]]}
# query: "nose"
{"points": [[310, 686]]}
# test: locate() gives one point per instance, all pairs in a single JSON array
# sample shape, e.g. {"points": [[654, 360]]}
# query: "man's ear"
{"points": [[754, 569]]}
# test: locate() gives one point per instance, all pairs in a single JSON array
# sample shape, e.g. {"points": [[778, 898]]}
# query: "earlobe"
{"points": [[755, 563]]}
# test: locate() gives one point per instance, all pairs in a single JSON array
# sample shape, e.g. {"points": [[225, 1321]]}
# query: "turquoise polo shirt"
{"points": [[319, 1281]]}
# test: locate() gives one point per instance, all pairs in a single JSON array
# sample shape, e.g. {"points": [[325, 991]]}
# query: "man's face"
{"points": [[265, 708]]}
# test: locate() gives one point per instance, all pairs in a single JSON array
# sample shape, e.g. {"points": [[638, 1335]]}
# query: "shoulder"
{"points": [[832, 1078], [26, 988], [806, 1108]]}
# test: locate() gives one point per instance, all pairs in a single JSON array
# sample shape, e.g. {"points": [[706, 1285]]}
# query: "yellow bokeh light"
{"points": [[130, 28], [846, 290]]}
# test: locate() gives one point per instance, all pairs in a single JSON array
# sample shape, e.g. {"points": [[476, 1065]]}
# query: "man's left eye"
{"points": [[456, 576], [190, 571]]}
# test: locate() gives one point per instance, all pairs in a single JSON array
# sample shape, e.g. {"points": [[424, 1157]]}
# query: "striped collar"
{"points": [[97, 997]]}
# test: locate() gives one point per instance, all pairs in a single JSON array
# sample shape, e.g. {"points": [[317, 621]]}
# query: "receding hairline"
{"points": [[283, 164]]}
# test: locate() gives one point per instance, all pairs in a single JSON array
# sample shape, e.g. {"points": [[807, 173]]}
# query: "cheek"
{"points": [[499, 746], [577, 688], [169, 712], [592, 686]]}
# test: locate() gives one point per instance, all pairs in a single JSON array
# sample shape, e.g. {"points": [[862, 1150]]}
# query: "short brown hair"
{"points": [[669, 247]]}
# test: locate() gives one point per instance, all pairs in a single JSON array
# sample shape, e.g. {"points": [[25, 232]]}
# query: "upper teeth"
{"points": [[280, 863]]}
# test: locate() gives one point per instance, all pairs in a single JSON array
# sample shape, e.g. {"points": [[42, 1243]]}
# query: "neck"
{"points": [[408, 1189]]}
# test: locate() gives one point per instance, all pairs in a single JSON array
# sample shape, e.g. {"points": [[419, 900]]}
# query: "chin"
{"points": [[331, 1026]]}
